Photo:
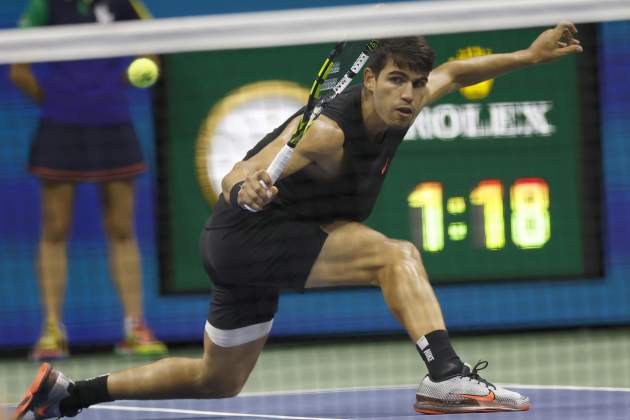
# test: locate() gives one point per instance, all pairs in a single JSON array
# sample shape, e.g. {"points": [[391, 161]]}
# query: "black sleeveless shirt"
{"points": [[352, 193]]}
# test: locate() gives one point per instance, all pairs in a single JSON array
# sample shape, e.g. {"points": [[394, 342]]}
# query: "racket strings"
{"points": [[315, 104]]}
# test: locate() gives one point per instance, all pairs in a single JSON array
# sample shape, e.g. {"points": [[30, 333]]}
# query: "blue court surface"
{"points": [[548, 403]]}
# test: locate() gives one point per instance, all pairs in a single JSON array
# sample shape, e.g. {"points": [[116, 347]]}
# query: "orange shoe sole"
{"points": [[27, 399], [424, 409]]}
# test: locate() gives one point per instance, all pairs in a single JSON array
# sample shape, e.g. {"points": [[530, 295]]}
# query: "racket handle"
{"points": [[246, 207], [279, 163]]}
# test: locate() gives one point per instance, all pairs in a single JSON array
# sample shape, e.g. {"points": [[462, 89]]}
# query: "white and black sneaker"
{"points": [[466, 393], [42, 398]]}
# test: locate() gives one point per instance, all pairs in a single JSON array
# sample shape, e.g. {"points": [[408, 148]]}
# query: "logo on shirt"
{"points": [[384, 168]]}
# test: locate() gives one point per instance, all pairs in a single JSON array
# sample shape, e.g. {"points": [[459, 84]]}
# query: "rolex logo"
{"points": [[481, 89]]}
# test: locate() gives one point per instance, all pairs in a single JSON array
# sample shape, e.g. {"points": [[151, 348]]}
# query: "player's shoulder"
{"points": [[329, 129], [325, 136]]}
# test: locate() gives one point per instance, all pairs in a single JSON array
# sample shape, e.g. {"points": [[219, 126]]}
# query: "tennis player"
{"points": [[308, 232]]}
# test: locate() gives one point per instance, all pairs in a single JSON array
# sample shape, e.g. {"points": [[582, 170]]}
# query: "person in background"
{"points": [[85, 134]]}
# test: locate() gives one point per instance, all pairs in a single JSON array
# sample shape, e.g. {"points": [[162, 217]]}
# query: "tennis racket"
{"points": [[316, 104]]}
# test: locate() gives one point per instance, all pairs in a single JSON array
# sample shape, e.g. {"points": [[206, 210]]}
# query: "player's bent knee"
{"points": [[409, 251], [402, 252], [225, 376], [402, 258], [232, 387], [226, 386]]}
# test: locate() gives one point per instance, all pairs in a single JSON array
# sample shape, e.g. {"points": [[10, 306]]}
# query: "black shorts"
{"points": [[67, 152], [250, 257]]}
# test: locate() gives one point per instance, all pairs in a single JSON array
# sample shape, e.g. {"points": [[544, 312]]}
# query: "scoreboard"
{"points": [[500, 180]]}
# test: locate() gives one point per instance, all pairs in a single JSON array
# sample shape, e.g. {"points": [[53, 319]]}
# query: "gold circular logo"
{"points": [[239, 121]]}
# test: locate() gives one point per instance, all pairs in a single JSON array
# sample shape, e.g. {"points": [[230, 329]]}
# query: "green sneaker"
{"points": [[140, 341], [52, 344]]}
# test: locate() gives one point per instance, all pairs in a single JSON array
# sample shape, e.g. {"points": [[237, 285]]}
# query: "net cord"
{"points": [[306, 26]]}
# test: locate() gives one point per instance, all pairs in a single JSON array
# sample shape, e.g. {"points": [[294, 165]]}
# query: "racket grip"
{"points": [[246, 207], [275, 169], [279, 163]]}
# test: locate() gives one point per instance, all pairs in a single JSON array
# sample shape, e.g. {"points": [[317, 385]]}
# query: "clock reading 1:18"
{"points": [[530, 223]]}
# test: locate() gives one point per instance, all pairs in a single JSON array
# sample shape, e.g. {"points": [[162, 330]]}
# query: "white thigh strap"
{"points": [[238, 336]]}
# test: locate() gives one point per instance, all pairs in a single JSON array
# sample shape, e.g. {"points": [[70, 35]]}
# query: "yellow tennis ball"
{"points": [[142, 72]]}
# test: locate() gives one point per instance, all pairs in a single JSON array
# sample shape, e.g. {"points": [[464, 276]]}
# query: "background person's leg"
{"points": [[124, 257], [52, 266], [125, 265]]}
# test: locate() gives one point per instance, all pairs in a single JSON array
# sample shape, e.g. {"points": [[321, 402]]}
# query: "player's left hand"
{"points": [[256, 191], [555, 43]]}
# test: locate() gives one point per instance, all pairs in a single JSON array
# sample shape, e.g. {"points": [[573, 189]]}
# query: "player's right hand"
{"points": [[555, 43], [257, 191]]}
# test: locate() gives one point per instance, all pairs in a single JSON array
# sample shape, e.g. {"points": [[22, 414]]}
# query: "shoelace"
{"points": [[474, 374]]}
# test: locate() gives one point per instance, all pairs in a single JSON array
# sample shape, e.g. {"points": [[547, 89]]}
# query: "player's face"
{"points": [[398, 95]]}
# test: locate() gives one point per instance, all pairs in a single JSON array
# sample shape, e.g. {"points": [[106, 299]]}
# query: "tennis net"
{"points": [[515, 191]]}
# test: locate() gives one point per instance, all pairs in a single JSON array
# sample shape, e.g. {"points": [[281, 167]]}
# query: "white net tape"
{"points": [[295, 27]]}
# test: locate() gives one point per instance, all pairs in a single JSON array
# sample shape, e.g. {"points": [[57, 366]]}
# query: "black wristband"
{"points": [[234, 194]]}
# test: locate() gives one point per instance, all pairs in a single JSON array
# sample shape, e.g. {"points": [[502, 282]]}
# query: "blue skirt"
{"points": [[67, 152]]}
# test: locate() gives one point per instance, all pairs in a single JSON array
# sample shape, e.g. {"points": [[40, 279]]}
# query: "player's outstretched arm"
{"points": [[321, 144], [550, 45]]}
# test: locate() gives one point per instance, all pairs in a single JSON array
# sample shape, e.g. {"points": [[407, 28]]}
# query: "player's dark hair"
{"points": [[411, 52]]}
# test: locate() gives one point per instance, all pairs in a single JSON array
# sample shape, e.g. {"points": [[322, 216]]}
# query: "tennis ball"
{"points": [[142, 72]]}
